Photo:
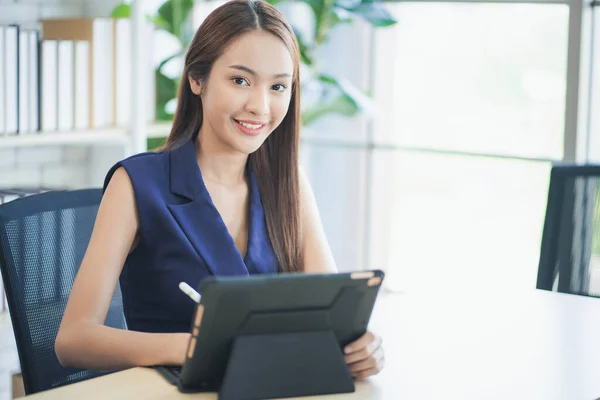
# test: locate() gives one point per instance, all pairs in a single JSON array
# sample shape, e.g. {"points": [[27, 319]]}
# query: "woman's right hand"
{"points": [[179, 348], [83, 341]]}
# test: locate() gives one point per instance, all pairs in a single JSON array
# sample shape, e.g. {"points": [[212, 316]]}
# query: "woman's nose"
{"points": [[258, 103]]}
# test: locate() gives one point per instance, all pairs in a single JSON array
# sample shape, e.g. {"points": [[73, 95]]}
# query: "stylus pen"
{"points": [[187, 289]]}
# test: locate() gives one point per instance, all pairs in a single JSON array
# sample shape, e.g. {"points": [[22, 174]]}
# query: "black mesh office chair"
{"points": [[570, 251], [42, 241]]}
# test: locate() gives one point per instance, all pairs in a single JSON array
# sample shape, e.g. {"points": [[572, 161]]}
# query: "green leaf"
{"points": [[328, 20], [155, 143], [121, 11], [343, 16], [348, 4], [327, 79], [162, 114], [324, 18], [375, 14], [360, 98], [166, 89], [342, 105], [166, 60], [175, 13], [159, 22], [305, 48]]}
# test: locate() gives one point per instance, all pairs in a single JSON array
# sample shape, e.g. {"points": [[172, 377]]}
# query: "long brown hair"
{"points": [[275, 163]]}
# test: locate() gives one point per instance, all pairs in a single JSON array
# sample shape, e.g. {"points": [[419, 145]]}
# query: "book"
{"points": [[34, 81], [82, 84], [99, 33], [66, 85], [107, 101], [11, 79], [2, 83], [49, 87]]}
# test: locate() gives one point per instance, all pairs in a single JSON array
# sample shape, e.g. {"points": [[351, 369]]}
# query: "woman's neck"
{"points": [[223, 167]]}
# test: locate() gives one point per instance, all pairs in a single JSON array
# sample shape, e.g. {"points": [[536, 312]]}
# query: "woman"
{"points": [[225, 197]]}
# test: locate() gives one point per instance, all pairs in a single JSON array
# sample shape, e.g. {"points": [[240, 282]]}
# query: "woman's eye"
{"points": [[279, 87], [240, 81]]}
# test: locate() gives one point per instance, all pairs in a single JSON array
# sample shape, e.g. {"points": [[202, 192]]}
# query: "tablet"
{"points": [[281, 304]]}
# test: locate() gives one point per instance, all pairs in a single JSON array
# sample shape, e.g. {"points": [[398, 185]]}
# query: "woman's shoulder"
{"points": [[143, 165]]}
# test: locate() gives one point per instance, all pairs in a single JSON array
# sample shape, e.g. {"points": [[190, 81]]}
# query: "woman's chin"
{"points": [[249, 144], [247, 147]]}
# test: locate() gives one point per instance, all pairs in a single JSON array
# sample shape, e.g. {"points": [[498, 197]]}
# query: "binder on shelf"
{"points": [[99, 32], [66, 86], [82, 85], [109, 68], [19, 80], [2, 83], [49, 69], [34, 81], [23, 88], [11, 79], [123, 70]]}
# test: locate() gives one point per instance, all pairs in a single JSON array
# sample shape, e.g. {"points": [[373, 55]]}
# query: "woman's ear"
{"points": [[196, 86]]}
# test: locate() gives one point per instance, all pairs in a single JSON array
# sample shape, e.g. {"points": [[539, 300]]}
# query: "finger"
{"points": [[362, 354], [369, 367], [375, 360], [357, 356], [365, 374], [360, 343], [362, 365]]}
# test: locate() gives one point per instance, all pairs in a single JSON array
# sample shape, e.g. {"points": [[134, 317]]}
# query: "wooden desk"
{"points": [[147, 384], [446, 345]]}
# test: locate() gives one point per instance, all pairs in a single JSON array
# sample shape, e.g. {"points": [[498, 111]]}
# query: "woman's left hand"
{"points": [[365, 356]]}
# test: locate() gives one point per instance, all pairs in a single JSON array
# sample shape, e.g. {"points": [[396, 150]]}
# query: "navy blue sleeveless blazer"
{"points": [[182, 238]]}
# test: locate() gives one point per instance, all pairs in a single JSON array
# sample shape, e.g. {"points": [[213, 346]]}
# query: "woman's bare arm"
{"points": [[83, 341], [317, 254]]}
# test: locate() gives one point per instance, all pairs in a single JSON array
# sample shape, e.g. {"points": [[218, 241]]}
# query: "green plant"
{"points": [[331, 95]]}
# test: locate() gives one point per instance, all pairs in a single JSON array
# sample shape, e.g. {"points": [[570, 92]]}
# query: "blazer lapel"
{"points": [[199, 219], [259, 257]]}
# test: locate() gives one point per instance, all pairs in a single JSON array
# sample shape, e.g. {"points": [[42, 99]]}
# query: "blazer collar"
{"points": [[202, 224], [186, 179]]}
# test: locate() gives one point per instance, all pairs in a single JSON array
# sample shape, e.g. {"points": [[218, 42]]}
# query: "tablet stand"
{"points": [[285, 365]]}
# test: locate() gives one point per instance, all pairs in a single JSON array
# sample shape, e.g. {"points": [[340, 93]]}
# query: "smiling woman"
{"points": [[223, 197], [253, 97], [244, 67]]}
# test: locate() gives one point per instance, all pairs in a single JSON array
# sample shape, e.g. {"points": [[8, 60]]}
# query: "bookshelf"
{"points": [[111, 136], [133, 138]]}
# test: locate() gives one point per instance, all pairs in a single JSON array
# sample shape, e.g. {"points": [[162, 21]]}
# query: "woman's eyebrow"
{"points": [[251, 72]]}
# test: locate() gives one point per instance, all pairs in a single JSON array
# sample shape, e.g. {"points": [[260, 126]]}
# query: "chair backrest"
{"points": [[570, 251], [43, 239]]}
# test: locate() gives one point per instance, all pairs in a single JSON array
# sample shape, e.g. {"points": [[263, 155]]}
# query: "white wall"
{"points": [[54, 166]]}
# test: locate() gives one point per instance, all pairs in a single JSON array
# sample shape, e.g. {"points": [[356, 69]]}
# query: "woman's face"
{"points": [[247, 94]]}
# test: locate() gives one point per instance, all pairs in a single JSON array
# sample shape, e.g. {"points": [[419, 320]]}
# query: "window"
{"points": [[474, 99], [449, 186], [484, 78]]}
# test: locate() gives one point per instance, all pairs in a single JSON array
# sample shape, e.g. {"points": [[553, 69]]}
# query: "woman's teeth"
{"points": [[249, 126]]}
